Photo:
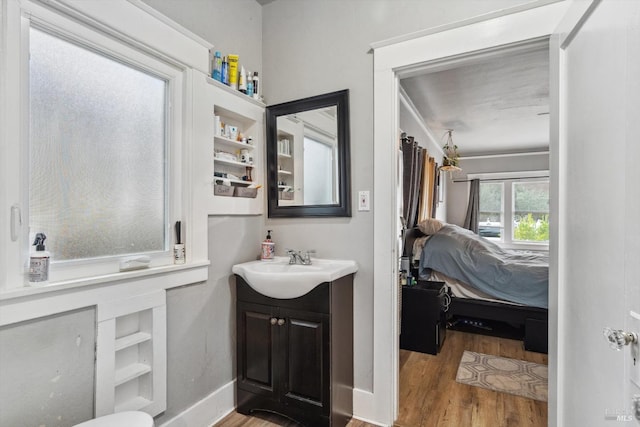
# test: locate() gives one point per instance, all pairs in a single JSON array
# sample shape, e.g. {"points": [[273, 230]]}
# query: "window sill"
{"points": [[539, 247], [97, 281]]}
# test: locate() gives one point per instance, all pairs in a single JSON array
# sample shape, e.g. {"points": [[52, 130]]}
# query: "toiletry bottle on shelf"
{"points": [[224, 74], [268, 248], [233, 70], [178, 249], [249, 84], [39, 262], [217, 67], [256, 80], [242, 81]]}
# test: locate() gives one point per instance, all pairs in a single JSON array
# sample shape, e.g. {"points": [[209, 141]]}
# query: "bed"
{"points": [[493, 291]]}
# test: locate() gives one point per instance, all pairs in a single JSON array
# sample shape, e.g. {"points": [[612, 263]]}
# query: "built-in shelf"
{"points": [[234, 92], [135, 404], [131, 367], [131, 372], [233, 143], [284, 172], [219, 180], [233, 163], [284, 155], [246, 115], [131, 340]]}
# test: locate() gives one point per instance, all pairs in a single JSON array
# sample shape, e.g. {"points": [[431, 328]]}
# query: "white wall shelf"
{"points": [[240, 182], [232, 143], [135, 404], [131, 340], [131, 372], [234, 108], [131, 355], [233, 163]]}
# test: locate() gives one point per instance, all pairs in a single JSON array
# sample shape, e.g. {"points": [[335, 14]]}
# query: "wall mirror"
{"points": [[308, 157]]}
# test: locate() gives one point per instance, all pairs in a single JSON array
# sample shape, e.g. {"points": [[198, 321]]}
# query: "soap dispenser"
{"points": [[39, 262], [268, 248]]}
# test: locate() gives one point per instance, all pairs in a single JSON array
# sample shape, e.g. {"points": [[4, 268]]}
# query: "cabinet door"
{"points": [[305, 361], [256, 341]]}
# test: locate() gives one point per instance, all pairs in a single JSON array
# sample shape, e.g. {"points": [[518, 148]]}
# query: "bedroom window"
{"points": [[531, 211], [515, 211], [491, 218]]}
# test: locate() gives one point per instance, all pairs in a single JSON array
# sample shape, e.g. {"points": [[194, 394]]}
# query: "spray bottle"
{"points": [[39, 262]]}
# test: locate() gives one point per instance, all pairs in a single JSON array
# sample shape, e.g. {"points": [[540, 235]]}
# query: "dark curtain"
{"points": [[473, 210], [412, 164]]}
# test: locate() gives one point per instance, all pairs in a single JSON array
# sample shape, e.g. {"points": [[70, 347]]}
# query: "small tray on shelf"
{"points": [[250, 192], [223, 190], [286, 195]]}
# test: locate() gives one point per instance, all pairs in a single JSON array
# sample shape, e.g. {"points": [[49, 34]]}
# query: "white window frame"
{"points": [[85, 34], [507, 180]]}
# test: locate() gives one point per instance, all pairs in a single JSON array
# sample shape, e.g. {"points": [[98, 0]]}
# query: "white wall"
{"points": [[458, 192], [312, 47]]}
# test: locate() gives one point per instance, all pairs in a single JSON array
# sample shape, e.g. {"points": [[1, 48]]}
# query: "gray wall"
{"points": [[47, 370], [201, 317], [232, 26], [312, 47], [458, 192]]}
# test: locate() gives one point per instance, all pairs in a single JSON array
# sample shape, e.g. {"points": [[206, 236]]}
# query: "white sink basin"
{"points": [[279, 279]]}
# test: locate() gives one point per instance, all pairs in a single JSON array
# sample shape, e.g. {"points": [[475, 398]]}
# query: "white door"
{"points": [[598, 184]]}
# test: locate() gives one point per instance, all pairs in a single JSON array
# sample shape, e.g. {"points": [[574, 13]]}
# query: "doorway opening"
{"points": [[497, 104], [394, 60]]}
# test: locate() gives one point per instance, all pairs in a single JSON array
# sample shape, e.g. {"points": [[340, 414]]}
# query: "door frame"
{"points": [[400, 58]]}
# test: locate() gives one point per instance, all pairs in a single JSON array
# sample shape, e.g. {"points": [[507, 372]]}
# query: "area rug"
{"points": [[526, 379]]}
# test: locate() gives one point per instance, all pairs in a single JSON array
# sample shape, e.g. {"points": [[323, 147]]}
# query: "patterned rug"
{"points": [[512, 376]]}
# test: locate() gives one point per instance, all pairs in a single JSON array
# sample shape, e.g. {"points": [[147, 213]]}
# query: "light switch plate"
{"points": [[363, 201]]}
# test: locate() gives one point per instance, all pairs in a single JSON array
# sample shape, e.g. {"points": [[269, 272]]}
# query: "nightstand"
{"points": [[423, 327]]}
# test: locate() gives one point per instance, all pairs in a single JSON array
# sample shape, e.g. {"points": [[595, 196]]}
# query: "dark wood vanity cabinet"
{"points": [[295, 356]]}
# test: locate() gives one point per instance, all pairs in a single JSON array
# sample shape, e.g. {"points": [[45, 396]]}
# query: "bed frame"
{"points": [[529, 324]]}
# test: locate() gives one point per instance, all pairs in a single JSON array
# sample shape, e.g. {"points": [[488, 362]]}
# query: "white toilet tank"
{"points": [[120, 419]]}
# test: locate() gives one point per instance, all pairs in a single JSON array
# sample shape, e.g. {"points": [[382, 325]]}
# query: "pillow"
{"points": [[430, 226]]}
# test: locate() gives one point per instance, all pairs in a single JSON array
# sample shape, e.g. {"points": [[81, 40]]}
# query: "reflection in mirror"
{"points": [[307, 154], [307, 158]]}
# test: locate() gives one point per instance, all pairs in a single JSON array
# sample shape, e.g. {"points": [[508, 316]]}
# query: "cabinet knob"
{"points": [[280, 322], [273, 320]]}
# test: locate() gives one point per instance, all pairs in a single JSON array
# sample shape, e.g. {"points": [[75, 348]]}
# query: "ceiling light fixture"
{"points": [[451, 158]]}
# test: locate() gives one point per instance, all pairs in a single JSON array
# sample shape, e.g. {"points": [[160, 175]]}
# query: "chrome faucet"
{"points": [[303, 258]]}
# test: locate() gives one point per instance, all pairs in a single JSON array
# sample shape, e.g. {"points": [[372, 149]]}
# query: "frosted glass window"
{"points": [[98, 152]]}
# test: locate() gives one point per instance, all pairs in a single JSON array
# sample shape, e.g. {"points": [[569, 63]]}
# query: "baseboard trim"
{"points": [[207, 411], [221, 403], [364, 406]]}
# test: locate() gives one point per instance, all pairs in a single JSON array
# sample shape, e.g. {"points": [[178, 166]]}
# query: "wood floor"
{"points": [[430, 396]]}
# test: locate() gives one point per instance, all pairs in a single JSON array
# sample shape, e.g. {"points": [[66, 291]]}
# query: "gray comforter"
{"points": [[509, 275]]}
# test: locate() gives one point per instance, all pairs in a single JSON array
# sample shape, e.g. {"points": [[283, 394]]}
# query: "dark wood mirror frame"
{"points": [[339, 99]]}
